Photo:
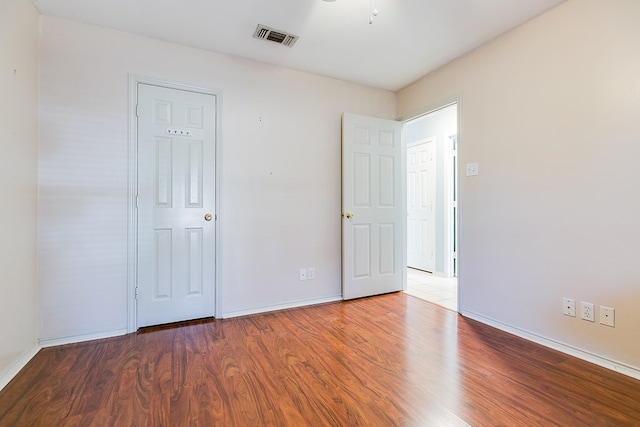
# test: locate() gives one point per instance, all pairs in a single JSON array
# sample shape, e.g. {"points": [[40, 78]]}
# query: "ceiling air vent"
{"points": [[266, 33]]}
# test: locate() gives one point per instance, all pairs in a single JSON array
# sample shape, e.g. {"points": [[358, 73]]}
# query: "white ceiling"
{"points": [[408, 39]]}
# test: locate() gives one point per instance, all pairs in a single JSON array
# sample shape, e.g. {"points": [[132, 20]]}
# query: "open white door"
{"points": [[373, 205], [176, 205]]}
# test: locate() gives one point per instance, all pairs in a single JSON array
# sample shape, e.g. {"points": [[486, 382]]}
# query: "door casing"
{"points": [[132, 222]]}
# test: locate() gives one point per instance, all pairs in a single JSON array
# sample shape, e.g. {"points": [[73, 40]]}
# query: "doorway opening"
{"points": [[432, 211]]}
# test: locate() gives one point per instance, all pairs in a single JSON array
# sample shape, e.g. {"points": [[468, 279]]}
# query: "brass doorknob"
{"points": [[208, 217], [349, 215]]}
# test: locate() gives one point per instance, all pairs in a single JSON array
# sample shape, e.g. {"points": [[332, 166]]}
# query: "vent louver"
{"points": [[266, 33]]}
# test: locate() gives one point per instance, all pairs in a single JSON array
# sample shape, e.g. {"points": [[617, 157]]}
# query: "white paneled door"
{"points": [[373, 204], [176, 205], [420, 203]]}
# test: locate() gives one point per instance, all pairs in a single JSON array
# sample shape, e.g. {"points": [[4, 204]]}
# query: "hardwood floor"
{"points": [[391, 360]]}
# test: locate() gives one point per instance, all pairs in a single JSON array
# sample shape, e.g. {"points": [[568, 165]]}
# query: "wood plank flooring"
{"points": [[391, 360]]}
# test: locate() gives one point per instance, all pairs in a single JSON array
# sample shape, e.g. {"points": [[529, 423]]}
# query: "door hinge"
{"points": [[137, 201], [137, 110], [137, 292]]}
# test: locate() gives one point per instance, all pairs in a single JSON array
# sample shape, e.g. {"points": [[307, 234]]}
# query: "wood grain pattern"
{"points": [[391, 360]]}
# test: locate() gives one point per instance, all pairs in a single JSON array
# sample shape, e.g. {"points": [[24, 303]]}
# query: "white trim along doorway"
{"points": [[202, 263]]}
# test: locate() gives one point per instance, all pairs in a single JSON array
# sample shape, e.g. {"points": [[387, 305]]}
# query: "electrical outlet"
{"points": [[587, 312], [311, 273], [569, 307], [303, 274], [607, 316]]}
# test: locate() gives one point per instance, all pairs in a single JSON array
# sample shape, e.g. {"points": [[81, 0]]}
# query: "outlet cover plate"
{"points": [[607, 316], [587, 312], [569, 307]]}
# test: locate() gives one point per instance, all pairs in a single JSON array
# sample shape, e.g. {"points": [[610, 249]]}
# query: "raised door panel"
{"points": [[387, 249], [162, 281], [361, 251], [163, 175], [386, 181], [362, 180], [195, 258], [194, 175]]}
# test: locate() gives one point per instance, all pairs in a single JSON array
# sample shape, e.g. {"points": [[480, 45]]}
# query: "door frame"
{"points": [[448, 102], [450, 208], [132, 213]]}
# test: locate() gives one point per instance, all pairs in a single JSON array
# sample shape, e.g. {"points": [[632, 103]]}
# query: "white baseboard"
{"points": [[12, 370], [81, 338], [294, 304], [561, 347]]}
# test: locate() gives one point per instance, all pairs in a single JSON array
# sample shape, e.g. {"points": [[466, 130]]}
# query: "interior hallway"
{"points": [[438, 290]]}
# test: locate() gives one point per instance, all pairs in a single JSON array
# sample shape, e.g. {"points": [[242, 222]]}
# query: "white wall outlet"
{"points": [[587, 312], [472, 169], [607, 316], [303, 274], [569, 307], [311, 273]]}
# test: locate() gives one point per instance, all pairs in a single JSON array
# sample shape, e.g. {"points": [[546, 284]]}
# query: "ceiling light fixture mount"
{"points": [[374, 11]]}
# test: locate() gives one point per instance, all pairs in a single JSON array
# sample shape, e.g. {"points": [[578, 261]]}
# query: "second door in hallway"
{"points": [[420, 206]]}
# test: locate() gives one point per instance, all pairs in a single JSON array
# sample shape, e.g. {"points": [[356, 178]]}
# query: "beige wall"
{"points": [[280, 206], [551, 111], [18, 181]]}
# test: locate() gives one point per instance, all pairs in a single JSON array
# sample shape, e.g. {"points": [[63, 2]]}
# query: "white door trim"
{"points": [[132, 222], [450, 186]]}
